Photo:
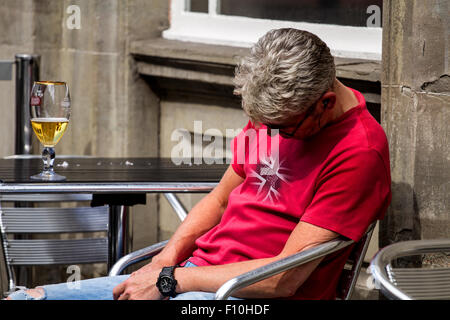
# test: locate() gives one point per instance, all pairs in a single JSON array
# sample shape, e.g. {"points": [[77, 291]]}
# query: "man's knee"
{"points": [[36, 293], [30, 294]]}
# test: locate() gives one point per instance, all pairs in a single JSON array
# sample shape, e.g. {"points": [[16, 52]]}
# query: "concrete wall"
{"points": [[110, 102], [415, 115], [16, 37]]}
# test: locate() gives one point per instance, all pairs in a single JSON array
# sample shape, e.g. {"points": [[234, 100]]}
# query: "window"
{"points": [[351, 28]]}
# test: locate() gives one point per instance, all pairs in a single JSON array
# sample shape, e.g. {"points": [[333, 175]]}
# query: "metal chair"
{"points": [[16, 223], [347, 280], [411, 283]]}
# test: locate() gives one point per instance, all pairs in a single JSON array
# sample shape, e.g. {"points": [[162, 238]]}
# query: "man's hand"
{"points": [[139, 286], [150, 267]]}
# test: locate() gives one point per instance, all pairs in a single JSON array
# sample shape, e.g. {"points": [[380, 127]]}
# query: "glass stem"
{"points": [[48, 156]]}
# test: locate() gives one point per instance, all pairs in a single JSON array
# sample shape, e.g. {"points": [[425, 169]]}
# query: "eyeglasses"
{"points": [[271, 127]]}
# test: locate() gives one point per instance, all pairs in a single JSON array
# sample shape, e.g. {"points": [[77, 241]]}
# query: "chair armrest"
{"points": [[382, 261], [135, 257], [279, 266]]}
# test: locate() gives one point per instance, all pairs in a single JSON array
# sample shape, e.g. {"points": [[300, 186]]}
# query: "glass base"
{"points": [[48, 176]]}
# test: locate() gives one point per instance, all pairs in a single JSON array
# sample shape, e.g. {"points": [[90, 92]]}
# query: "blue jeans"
{"points": [[98, 289]]}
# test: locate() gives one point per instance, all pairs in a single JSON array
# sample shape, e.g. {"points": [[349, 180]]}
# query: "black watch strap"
{"points": [[167, 271]]}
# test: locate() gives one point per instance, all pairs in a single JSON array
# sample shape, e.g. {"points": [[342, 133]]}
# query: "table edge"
{"points": [[117, 187]]}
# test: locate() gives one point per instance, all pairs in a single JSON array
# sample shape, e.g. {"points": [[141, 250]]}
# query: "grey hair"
{"points": [[286, 72]]}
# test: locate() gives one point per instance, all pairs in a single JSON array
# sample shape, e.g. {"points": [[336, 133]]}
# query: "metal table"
{"points": [[118, 182]]}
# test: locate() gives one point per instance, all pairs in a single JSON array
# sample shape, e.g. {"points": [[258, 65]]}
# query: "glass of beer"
{"points": [[50, 112]]}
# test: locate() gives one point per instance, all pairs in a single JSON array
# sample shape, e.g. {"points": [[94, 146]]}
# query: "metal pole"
{"points": [[176, 205], [27, 71], [118, 233]]}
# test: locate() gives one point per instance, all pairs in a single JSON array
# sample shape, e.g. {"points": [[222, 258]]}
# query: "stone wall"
{"points": [[16, 37], [415, 115]]}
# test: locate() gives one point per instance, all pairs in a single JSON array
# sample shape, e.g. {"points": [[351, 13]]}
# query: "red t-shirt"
{"points": [[338, 179]]}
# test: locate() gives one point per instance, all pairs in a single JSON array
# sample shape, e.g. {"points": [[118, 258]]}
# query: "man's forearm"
{"points": [[203, 216], [211, 278]]}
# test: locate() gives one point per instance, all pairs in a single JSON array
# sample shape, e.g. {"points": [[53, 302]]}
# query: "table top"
{"points": [[92, 174]]}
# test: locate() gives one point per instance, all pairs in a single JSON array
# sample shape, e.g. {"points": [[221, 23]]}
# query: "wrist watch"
{"points": [[166, 283]]}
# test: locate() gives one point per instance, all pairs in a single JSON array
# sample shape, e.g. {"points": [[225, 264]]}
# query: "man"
{"points": [[328, 176]]}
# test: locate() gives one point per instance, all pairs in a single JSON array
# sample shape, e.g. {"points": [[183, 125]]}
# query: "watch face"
{"points": [[166, 284]]}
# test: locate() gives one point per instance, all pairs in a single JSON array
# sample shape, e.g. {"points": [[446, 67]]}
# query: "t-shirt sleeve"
{"points": [[352, 191], [238, 164]]}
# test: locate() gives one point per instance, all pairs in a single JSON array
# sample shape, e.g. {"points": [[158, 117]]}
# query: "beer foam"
{"points": [[50, 119]]}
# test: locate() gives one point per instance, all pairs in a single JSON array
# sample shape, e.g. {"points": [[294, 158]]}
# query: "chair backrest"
{"points": [[349, 275], [16, 223]]}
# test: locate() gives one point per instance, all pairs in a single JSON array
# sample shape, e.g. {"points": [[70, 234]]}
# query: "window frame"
{"points": [[213, 28]]}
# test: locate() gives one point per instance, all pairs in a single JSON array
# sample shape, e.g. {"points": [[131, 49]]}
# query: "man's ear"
{"points": [[329, 100]]}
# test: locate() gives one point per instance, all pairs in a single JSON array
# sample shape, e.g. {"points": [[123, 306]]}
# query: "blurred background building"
{"points": [[139, 70]]}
